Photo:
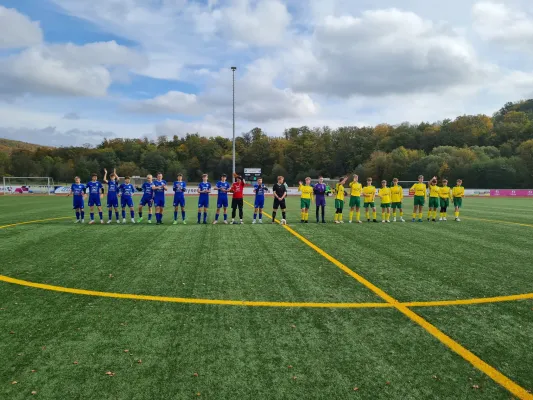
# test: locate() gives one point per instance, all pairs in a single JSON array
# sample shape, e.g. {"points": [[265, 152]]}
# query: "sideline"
{"points": [[477, 362], [33, 222]]}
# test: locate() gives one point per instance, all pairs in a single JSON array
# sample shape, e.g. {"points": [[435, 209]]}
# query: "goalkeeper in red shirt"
{"points": [[237, 201]]}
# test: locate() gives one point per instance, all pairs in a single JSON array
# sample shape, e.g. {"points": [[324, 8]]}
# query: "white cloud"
{"points": [[500, 23], [382, 52], [51, 136], [170, 102], [17, 30], [66, 69]]}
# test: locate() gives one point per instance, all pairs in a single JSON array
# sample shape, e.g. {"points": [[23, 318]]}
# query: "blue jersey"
{"points": [[126, 190], [94, 188], [179, 188], [260, 190], [112, 188], [147, 189], [77, 189], [222, 185], [159, 190], [204, 186]]}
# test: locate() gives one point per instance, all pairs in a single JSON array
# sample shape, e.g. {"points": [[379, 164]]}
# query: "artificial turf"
{"points": [[239, 352]]}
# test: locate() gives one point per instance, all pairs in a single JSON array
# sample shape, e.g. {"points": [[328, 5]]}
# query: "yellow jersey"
{"points": [[385, 194], [356, 189], [444, 192], [434, 191], [419, 189], [458, 191], [369, 192], [396, 194], [307, 191], [339, 189]]}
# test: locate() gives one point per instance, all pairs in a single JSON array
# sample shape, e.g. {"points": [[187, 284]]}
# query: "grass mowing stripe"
{"points": [[477, 362]]}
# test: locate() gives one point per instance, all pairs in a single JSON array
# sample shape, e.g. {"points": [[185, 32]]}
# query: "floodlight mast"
{"points": [[233, 71]]}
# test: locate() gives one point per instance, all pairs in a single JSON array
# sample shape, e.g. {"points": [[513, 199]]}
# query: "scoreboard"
{"points": [[252, 174]]}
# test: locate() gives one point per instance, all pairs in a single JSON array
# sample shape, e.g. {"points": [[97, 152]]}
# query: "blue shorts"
{"points": [[203, 202], [259, 202], [159, 201], [147, 201], [112, 201], [94, 200], [179, 201], [78, 203], [222, 202], [126, 201]]}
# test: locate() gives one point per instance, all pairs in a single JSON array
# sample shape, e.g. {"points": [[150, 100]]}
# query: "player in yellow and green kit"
{"points": [[369, 193], [384, 194], [419, 191], [458, 192], [305, 199], [434, 199], [339, 200], [444, 194], [355, 199], [396, 197]]}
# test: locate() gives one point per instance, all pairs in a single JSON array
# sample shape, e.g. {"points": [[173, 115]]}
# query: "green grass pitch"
{"points": [[63, 345]]}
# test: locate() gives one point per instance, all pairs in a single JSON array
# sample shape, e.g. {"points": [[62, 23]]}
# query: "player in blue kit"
{"points": [[126, 192], [147, 199], [179, 188], [159, 187], [259, 203], [78, 192], [204, 188], [112, 195], [96, 194], [222, 187]]}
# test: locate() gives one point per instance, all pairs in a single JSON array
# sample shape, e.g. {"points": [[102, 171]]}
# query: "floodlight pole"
{"points": [[233, 70]]}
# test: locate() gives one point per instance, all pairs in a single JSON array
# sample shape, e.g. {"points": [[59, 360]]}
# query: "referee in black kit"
{"points": [[280, 193]]}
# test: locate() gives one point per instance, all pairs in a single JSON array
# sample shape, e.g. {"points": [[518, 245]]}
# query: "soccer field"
{"points": [[307, 311]]}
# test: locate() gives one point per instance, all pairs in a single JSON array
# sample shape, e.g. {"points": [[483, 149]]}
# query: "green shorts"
{"points": [[445, 203], [339, 204], [371, 204], [396, 205], [305, 203], [433, 202], [385, 205], [458, 202], [355, 201], [420, 200]]}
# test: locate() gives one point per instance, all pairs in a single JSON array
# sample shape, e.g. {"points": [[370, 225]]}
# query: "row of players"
{"points": [[154, 194], [391, 199]]}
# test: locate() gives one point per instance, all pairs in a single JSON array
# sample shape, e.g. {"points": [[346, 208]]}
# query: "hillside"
{"points": [[8, 145]]}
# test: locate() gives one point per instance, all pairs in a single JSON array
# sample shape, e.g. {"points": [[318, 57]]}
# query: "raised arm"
{"points": [[105, 176]]}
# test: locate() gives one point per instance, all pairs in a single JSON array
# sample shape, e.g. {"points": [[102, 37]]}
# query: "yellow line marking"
{"points": [[477, 362], [481, 300], [33, 222], [438, 303], [497, 221], [189, 300]]}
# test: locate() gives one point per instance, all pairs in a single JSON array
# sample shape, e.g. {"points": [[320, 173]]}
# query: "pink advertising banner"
{"points": [[511, 192]]}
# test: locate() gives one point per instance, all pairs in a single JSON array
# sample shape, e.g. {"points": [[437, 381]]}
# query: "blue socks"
{"points": [[132, 214], [83, 215], [116, 215], [216, 217], [101, 215], [175, 215], [205, 216], [77, 215], [199, 216], [123, 213], [225, 217], [110, 214]]}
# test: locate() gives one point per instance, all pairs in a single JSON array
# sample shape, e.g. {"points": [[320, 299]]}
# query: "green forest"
{"points": [[486, 152]]}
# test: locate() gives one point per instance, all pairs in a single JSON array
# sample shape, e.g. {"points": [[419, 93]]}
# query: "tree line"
{"points": [[486, 152]]}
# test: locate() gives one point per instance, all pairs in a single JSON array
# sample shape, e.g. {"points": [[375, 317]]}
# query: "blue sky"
{"points": [[132, 68]]}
